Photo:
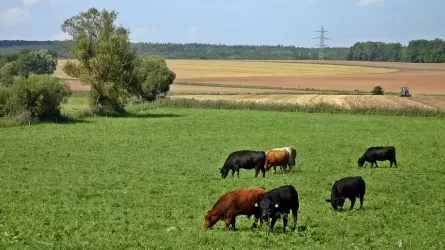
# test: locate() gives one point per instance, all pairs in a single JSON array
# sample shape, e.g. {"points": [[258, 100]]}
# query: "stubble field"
{"points": [[304, 82]]}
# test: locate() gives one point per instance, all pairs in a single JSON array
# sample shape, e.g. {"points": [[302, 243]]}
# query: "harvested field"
{"points": [[420, 78], [347, 101], [225, 68]]}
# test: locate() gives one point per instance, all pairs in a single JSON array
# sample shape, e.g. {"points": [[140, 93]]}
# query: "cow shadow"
{"points": [[279, 230]]}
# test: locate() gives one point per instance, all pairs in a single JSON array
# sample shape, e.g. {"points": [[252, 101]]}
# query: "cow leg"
{"points": [[361, 200], [285, 222], [274, 169], [376, 164], [264, 172], [230, 220], [257, 171], [237, 172], [295, 216], [233, 172], [352, 203], [272, 223], [233, 223]]}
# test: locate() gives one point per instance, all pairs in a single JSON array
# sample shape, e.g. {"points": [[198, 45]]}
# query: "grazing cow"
{"points": [[292, 155], [238, 202], [374, 154], [278, 203], [244, 159], [276, 158], [348, 187]]}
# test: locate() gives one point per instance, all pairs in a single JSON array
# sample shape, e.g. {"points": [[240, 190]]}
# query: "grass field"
{"points": [[146, 180]]}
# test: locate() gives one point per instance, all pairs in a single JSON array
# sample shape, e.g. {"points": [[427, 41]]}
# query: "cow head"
{"points": [[209, 220], [224, 172], [336, 202], [361, 161], [268, 209]]}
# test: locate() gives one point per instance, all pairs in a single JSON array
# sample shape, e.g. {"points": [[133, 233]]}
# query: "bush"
{"points": [[35, 98], [378, 90], [4, 95]]}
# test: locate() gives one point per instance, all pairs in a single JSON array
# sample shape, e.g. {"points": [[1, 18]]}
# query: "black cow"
{"points": [[244, 159], [348, 187], [374, 154], [278, 203]]}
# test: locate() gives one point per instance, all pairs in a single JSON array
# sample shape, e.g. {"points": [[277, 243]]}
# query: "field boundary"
{"points": [[321, 107]]}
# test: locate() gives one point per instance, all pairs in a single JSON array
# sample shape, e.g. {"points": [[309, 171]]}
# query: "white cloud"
{"points": [[371, 2], [194, 29], [13, 16], [32, 2]]}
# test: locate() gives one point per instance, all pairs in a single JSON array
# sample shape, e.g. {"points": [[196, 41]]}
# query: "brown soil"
{"points": [[418, 82]]}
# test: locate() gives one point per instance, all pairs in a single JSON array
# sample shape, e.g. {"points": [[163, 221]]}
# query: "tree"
{"points": [[7, 73], [158, 78], [378, 90], [37, 62], [107, 62]]}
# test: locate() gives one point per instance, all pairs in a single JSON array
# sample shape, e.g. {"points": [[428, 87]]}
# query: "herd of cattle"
{"points": [[279, 202]]}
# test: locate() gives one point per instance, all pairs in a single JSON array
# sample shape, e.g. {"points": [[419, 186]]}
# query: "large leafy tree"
{"points": [[40, 62], [105, 60]]}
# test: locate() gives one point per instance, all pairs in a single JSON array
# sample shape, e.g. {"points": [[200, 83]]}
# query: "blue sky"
{"points": [[287, 22]]}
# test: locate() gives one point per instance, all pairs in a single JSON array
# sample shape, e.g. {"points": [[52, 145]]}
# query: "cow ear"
{"points": [[256, 204], [276, 205], [327, 200]]}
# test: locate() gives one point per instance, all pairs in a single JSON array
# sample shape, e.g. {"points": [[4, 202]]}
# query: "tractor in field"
{"points": [[405, 92]]}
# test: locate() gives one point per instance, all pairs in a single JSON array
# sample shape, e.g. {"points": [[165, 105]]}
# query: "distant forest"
{"points": [[192, 50], [417, 51]]}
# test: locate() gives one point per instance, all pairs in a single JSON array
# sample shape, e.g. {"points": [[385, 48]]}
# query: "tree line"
{"points": [[192, 50], [417, 51]]}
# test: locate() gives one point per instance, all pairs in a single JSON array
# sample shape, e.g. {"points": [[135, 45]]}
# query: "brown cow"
{"points": [[237, 202], [276, 158]]}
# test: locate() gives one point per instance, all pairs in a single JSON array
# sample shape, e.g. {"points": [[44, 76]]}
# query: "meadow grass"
{"points": [[147, 179]]}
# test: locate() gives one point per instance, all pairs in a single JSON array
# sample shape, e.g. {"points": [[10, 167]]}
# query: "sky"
{"points": [[237, 22]]}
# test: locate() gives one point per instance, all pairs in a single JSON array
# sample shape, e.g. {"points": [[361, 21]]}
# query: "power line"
{"points": [[322, 45]]}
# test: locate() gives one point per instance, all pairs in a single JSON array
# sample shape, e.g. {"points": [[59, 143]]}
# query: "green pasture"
{"points": [[146, 180]]}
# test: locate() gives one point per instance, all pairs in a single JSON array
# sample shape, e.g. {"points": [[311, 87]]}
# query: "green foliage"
{"points": [[106, 61], [109, 65], [145, 181], [377, 90], [375, 51], [157, 77], [72, 69], [4, 96], [36, 62], [7, 73], [34, 98], [417, 51], [194, 50]]}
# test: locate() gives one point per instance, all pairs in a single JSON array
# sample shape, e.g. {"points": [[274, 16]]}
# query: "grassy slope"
{"points": [[122, 182]]}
